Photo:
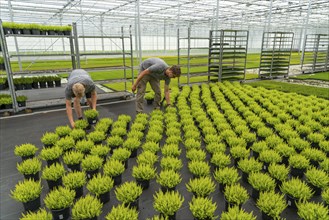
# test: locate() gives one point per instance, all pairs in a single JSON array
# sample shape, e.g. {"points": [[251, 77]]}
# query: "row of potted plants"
{"points": [[7, 103], [35, 29]]}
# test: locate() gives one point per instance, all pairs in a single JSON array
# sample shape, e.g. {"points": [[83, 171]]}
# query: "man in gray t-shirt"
{"points": [[151, 71], [79, 83]]}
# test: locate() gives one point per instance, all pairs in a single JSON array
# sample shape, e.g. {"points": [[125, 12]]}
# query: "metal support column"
{"points": [[124, 57], [76, 45], [305, 27], [102, 31], [139, 32], [131, 55]]}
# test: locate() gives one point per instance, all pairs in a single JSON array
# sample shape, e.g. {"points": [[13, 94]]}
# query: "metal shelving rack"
{"points": [[227, 54], [124, 54], [188, 51], [315, 56], [275, 54]]}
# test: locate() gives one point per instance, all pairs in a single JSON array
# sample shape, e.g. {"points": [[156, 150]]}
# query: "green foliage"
{"points": [[40, 214], [123, 213], [167, 203], [121, 154], [131, 144], [87, 207], [128, 192], [325, 195], [100, 150], [236, 194], [297, 189], [227, 175], [215, 147], [298, 161], [261, 181], [279, 172], [81, 124], [77, 134], [27, 190], [21, 98], [270, 156], [29, 166], [74, 179], [84, 146], [25, 150], [66, 143], [239, 152], [220, 159], [91, 162], [91, 113], [312, 210], [325, 165], [259, 146], [147, 157], [271, 203], [250, 165], [298, 143], [317, 178], [100, 184], [202, 208], [169, 178], [113, 167], [49, 138], [199, 168], [201, 186], [118, 131], [171, 163], [62, 131], [171, 150], [154, 136], [191, 143], [149, 95], [96, 136], [53, 172], [313, 154], [143, 172], [196, 155], [284, 150], [114, 141], [236, 213], [59, 198], [73, 157], [51, 153], [134, 134]]}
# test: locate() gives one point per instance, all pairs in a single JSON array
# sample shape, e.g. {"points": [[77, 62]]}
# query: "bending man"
{"points": [[153, 70], [79, 84]]}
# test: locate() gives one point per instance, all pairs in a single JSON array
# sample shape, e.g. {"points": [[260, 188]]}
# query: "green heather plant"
{"points": [[271, 203], [73, 157], [201, 186], [192, 144], [203, 208], [113, 168], [325, 196], [26, 190], [220, 159], [25, 150], [114, 141], [118, 131], [261, 181], [153, 136], [63, 131], [81, 124], [171, 150], [279, 172], [121, 154], [312, 210], [169, 178], [215, 147], [91, 113], [264, 132], [100, 184], [51, 153], [199, 168], [100, 150], [324, 165], [144, 172], [131, 144], [147, 157], [40, 214], [49, 139], [211, 138], [59, 198], [297, 189], [74, 179], [171, 163], [91, 162], [270, 156], [284, 150], [128, 192], [96, 136], [87, 207], [137, 126], [239, 152], [53, 172], [77, 134], [123, 213], [324, 146], [135, 135], [84, 146], [237, 213], [313, 154], [298, 161], [29, 166], [172, 131], [125, 118], [259, 146], [273, 140], [196, 155], [167, 203], [66, 143], [317, 178], [298, 144], [227, 175], [236, 194], [102, 127], [250, 165]]}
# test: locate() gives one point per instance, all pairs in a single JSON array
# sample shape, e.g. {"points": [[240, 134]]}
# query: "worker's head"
{"points": [[173, 71], [78, 90]]}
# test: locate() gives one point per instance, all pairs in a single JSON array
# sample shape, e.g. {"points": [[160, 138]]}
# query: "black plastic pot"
{"points": [[73, 167], [35, 31], [35, 85], [105, 197], [78, 192], [291, 201], [143, 183], [34, 176], [167, 189], [61, 214], [52, 184], [297, 172], [92, 121], [17, 31], [134, 204], [27, 157], [91, 173], [117, 180], [133, 154], [170, 217], [50, 162], [255, 194], [50, 84], [26, 31], [266, 217], [42, 84], [58, 83], [32, 205], [7, 31], [149, 101], [230, 205], [21, 104]]}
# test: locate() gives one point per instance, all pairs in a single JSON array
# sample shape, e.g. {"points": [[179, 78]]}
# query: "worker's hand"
{"points": [[133, 88]]}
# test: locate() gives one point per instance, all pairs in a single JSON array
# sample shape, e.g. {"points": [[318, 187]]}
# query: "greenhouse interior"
{"points": [[238, 128]]}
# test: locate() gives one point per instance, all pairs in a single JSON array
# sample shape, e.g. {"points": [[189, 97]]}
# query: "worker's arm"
{"points": [[69, 112], [140, 76], [167, 94], [93, 99]]}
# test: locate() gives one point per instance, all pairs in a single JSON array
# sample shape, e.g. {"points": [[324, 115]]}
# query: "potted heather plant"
{"points": [[271, 204], [121, 154], [59, 201], [168, 203], [171, 150], [84, 146], [101, 187], [220, 160], [298, 164], [248, 166], [122, 212], [237, 213], [196, 155], [25, 151], [114, 168], [75, 180], [312, 210], [40, 214], [143, 173], [279, 172], [51, 154], [147, 157], [226, 176], [151, 146], [317, 180], [77, 134], [96, 137], [325, 196], [129, 193], [66, 143], [168, 179], [268, 157], [201, 187], [238, 153], [81, 124], [171, 163], [30, 168], [149, 97], [114, 142], [73, 159], [132, 144], [101, 151], [202, 208], [92, 116], [260, 182], [49, 139], [28, 192], [235, 195], [63, 131], [314, 155], [87, 207], [91, 165], [53, 174], [199, 168]]}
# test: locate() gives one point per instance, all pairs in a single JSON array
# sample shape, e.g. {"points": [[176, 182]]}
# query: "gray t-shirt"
{"points": [[78, 76], [157, 67]]}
